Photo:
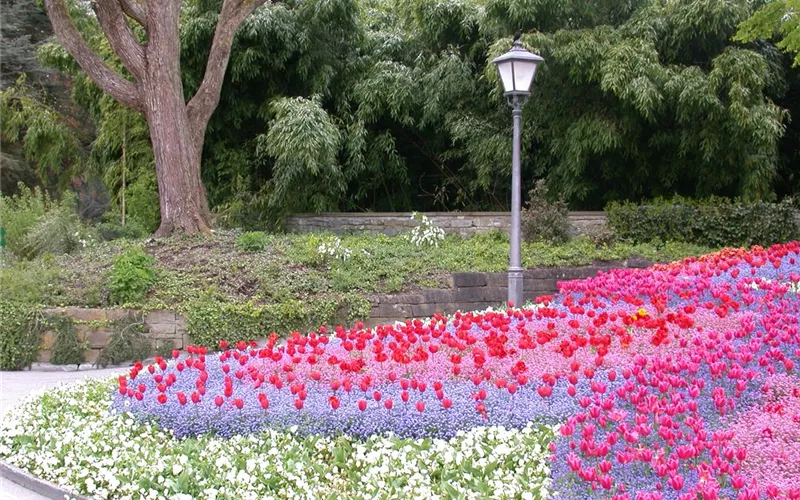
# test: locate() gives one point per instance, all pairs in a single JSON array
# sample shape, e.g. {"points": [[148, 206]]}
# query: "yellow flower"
{"points": [[642, 313]]}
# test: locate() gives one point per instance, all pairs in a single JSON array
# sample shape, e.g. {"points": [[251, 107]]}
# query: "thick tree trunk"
{"points": [[182, 197], [184, 208]]}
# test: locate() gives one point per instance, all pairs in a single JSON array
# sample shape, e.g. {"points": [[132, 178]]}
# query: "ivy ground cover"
{"points": [[674, 382]]}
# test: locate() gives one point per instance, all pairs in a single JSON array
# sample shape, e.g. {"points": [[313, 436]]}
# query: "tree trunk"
{"points": [[182, 198]]}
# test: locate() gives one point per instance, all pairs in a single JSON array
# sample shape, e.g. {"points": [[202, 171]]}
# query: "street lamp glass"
{"points": [[517, 68], [524, 71]]}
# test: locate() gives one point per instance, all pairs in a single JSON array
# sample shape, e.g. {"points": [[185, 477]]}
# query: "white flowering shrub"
{"points": [[426, 233], [334, 249]]}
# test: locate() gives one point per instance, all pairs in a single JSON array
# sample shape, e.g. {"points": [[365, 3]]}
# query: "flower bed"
{"points": [[677, 381]]}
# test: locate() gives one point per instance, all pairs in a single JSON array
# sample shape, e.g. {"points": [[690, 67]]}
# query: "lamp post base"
{"points": [[515, 286]]}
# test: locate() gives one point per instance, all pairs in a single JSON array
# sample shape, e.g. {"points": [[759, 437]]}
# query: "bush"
{"points": [[544, 220], [20, 334], [59, 231], [69, 348], [132, 276], [33, 282], [19, 214], [112, 229], [128, 342], [715, 222], [252, 241]]}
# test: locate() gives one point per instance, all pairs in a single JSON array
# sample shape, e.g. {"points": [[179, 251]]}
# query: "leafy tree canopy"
{"points": [[394, 104]]}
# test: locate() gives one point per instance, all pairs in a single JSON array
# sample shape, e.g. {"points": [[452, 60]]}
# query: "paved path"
{"points": [[14, 386]]}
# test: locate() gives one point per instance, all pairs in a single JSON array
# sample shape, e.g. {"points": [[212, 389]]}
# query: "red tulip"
{"points": [[420, 406], [218, 401], [388, 404], [362, 405]]}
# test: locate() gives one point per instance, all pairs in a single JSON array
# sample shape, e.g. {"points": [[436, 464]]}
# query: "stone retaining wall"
{"points": [[475, 291], [468, 292], [391, 223], [93, 326]]}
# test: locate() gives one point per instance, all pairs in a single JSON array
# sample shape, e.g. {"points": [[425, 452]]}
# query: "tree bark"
{"points": [[182, 198], [177, 129]]}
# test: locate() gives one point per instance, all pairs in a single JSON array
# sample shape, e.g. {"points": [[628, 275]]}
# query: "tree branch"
{"points": [[112, 83], [202, 105], [136, 10], [120, 37]]}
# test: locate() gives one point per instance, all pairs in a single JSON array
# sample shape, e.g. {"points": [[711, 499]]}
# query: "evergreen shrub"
{"points": [[132, 276], [714, 222], [543, 219]]}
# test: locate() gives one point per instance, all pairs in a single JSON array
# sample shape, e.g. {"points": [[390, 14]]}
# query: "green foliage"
{"points": [[132, 276], [35, 224], [47, 139], [59, 231], [395, 105], [544, 220], [225, 293], [142, 201], [210, 319], [714, 222], [20, 333], [19, 214], [68, 348], [303, 141], [111, 228], [25, 25], [31, 282], [252, 241], [128, 342], [776, 19]]}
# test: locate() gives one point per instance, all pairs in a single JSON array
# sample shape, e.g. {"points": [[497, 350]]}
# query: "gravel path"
{"points": [[14, 386]]}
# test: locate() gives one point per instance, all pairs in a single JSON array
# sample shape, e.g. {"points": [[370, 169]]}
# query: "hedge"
{"points": [[714, 222]]}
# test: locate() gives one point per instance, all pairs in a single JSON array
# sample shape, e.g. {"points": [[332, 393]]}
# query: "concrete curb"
{"points": [[33, 483]]}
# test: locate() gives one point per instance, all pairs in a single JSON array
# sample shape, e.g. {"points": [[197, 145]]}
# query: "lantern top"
{"points": [[517, 68], [518, 53]]}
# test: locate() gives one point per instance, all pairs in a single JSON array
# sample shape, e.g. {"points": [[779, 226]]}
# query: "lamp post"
{"points": [[517, 68]]}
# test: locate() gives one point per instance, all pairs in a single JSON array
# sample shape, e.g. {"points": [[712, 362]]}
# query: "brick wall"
{"points": [[391, 223], [92, 326], [475, 291]]}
